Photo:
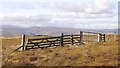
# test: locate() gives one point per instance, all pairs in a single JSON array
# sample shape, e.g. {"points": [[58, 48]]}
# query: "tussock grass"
{"points": [[96, 54]]}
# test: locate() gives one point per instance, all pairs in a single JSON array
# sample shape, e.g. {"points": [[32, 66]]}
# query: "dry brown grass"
{"points": [[96, 54]]}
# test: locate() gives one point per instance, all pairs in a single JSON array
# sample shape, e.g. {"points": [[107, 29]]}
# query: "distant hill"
{"points": [[8, 30]]}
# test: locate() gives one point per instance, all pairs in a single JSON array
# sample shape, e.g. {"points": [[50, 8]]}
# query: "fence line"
{"points": [[57, 41]]}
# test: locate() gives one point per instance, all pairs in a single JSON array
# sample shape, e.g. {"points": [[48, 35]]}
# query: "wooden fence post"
{"points": [[72, 41], [81, 37], [98, 37], [61, 40], [23, 42]]}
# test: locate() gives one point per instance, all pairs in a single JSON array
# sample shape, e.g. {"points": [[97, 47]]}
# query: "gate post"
{"points": [[81, 37], [61, 40], [72, 41], [98, 37], [23, 42]]}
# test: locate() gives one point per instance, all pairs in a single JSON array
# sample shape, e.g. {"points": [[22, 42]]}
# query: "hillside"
{"points": [[8, 30]]}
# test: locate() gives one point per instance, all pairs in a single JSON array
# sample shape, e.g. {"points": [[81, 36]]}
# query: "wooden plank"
{"points": [[77, 42], [75, 37], [47, 42], [18, 48], [34, 44], [66, 35], [36, 39], [37, 46], [53, 37], [57, 45], [43, 38], [67, 41], [67, 38], [43, 41]]}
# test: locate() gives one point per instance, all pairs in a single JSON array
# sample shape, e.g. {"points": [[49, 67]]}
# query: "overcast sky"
{"points": [[87, 14]]}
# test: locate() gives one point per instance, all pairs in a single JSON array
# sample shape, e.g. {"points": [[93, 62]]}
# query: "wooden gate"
{"points": [[63, 39]]}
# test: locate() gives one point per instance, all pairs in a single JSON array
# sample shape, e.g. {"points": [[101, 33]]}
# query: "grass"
{"points": [[95, 54]]}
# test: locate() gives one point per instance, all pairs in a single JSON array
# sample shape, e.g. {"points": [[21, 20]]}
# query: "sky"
{"points": [[86, 14]]}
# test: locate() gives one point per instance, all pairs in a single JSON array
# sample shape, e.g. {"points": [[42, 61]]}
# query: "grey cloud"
{"points": [[41, 20], [68, 6], [92, 10]]}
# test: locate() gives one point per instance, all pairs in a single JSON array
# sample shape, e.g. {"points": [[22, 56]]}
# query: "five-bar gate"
{"points": [[63, 39]]}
